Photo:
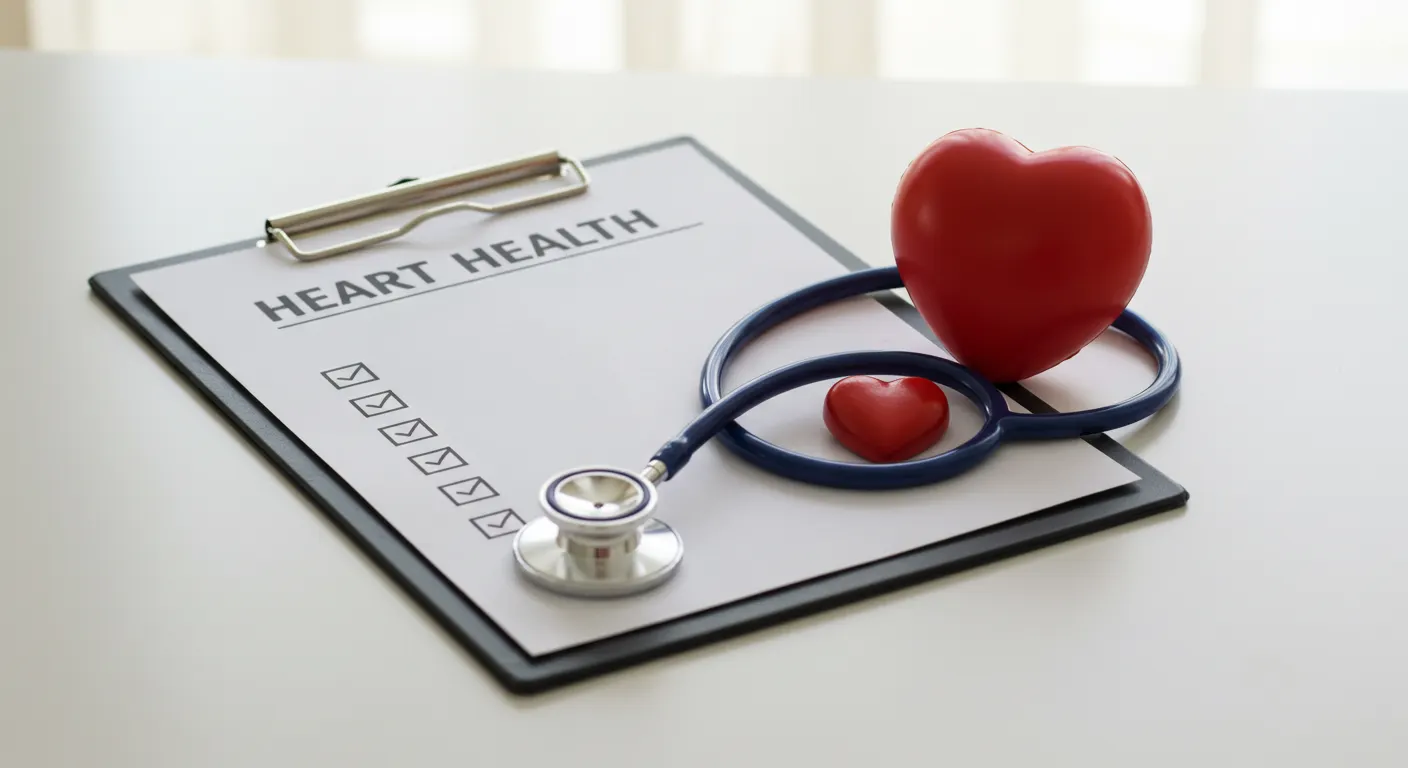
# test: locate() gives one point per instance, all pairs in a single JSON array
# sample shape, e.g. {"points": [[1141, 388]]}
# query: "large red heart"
{"points": [[885, 421], [1018, 259]]}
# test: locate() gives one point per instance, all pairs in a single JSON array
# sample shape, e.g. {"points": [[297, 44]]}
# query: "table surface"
{"points": [[169, 599]]}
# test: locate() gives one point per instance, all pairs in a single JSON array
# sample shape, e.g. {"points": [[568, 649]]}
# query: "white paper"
{"points": [[588, 355]]}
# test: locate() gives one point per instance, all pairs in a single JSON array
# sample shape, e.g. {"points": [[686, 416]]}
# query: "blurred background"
{"points": [[1325, 44]]}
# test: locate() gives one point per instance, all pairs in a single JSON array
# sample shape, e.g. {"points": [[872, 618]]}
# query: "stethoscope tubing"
{"points": [[718, 420]]}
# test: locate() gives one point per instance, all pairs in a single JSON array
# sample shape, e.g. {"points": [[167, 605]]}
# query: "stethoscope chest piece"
{"points": [[598, 536]]}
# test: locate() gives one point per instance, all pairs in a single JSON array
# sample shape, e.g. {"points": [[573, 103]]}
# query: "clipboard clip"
{"points": [[422, 191]]}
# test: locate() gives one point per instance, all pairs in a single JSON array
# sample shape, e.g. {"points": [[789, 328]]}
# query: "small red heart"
{"points": [[1018, 259], [886, 421]]}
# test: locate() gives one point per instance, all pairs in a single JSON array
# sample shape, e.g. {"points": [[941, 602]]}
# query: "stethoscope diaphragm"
{"points": [[598, 536]]}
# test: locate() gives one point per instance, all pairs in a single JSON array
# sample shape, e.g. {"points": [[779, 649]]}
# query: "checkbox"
{"points": [[463, 492], [412, 431], [350, 375], [377, 404], [438, 460], [496, 524]]}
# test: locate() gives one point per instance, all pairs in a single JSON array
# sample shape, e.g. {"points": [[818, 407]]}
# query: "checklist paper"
{"points": [[447, 374]]}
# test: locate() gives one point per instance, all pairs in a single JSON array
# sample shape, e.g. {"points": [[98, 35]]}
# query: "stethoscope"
{"points": [[598, 536]]}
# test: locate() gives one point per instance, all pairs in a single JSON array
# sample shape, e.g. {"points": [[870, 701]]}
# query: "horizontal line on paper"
{"points": [[489, 275]]}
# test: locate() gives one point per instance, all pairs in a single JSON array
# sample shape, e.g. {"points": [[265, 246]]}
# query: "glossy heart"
{"points": [[1018, 259], [886, 421]]}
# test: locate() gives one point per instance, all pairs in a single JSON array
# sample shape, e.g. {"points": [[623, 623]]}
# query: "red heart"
{"points": [[885, 421], [1018, 259]]}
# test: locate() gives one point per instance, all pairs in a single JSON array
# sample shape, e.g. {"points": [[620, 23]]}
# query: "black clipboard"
{"points": [[516, 670]]}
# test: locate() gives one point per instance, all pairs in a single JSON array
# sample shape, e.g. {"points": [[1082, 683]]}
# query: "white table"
{"points": [[169, 600]]}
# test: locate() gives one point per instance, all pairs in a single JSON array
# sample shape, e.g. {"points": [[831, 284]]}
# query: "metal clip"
{"points": [[412, 193]]}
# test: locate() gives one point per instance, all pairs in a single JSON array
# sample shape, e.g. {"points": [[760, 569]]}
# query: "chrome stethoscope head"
{"points": [[598, 536]]}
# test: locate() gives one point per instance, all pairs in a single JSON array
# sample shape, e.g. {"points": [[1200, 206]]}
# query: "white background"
{"points": [[169, 600], [1273, 43]]}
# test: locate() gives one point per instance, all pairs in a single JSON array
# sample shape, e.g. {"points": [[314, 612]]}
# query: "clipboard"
{"points": [[516, 670]]}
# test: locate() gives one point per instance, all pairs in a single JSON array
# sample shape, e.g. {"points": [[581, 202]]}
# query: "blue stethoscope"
{"points": [[598, 536]]}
